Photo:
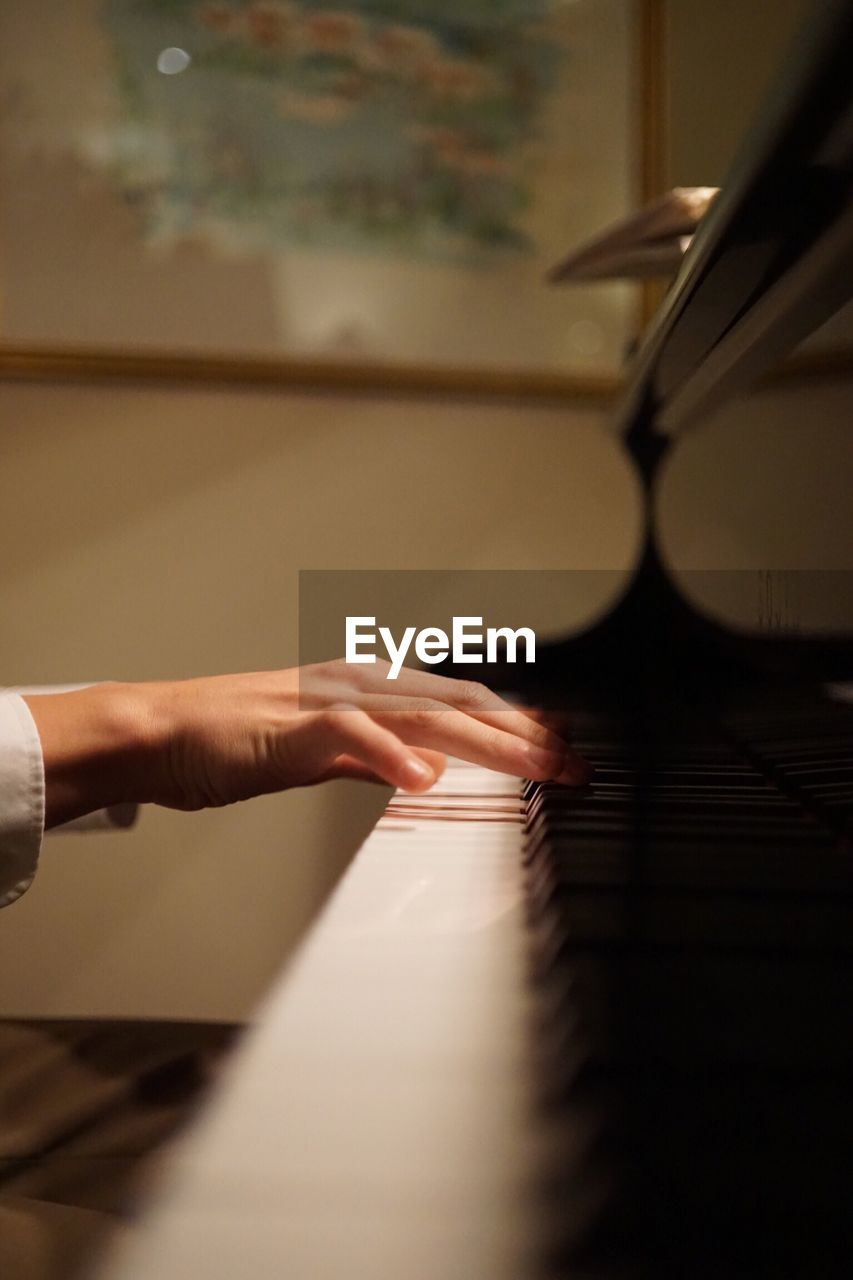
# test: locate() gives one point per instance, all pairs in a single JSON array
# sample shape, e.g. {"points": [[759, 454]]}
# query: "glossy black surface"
{"points": [[691, 925], [790, 184], [691, 912]]}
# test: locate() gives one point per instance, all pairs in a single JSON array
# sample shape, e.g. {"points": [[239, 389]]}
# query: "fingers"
{"points": [[360, 686], [436, 760], [474, 699], [435, 725], [348, 767], [308, 750], [460, 717], [559, 722]]}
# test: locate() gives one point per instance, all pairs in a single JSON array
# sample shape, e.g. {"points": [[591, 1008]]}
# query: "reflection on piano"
{"points": [[633, 1054]]}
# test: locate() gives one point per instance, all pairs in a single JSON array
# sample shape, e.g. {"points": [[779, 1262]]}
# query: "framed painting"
{"points": [[365, 193]]}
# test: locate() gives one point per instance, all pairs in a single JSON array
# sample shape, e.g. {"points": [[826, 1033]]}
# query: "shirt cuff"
{"points": [[21, 797]]}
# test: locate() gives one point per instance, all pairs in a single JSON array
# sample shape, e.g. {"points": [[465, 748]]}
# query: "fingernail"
{"points": [[416, 773]]}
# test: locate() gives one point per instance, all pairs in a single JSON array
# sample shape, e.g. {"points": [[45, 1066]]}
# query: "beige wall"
{"points": [[764, 483], [723, 57]]}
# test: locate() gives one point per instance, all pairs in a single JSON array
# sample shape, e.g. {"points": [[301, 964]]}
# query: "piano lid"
{"points": [[773, 259]]}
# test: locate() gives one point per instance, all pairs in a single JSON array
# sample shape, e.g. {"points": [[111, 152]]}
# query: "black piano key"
{"points": [[655, 919], [703, 1011], [739, 867]]}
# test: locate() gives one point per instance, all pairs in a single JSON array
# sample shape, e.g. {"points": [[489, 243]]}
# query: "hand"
{"points": [[231, 737], [193, 744]]}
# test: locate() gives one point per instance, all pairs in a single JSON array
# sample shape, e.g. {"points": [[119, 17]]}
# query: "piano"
{"points": [[540, 1032]]}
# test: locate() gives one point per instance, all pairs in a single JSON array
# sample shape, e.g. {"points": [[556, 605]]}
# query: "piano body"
{"points": [[546, 1033]]}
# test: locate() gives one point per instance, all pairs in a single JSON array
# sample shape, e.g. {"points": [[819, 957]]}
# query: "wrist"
{"points": [[99, 746]]}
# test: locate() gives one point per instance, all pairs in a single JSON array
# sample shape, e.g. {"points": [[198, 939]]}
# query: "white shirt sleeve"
{"points": [[22, 795]]}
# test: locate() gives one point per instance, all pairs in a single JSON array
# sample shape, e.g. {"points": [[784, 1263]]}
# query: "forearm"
{"points": [[192, 744], [97, 745]]}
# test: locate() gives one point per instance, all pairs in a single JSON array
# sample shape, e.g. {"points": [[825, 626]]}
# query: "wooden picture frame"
{"points": [[24, 356]]}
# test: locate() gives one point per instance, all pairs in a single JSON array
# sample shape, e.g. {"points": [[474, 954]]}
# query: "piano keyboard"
{"points": [[375, 1124], [629, 1056], [808, 752]]}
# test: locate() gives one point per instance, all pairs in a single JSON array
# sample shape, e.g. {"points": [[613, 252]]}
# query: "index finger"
{"points": [[426, 722], [468, 696]]}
